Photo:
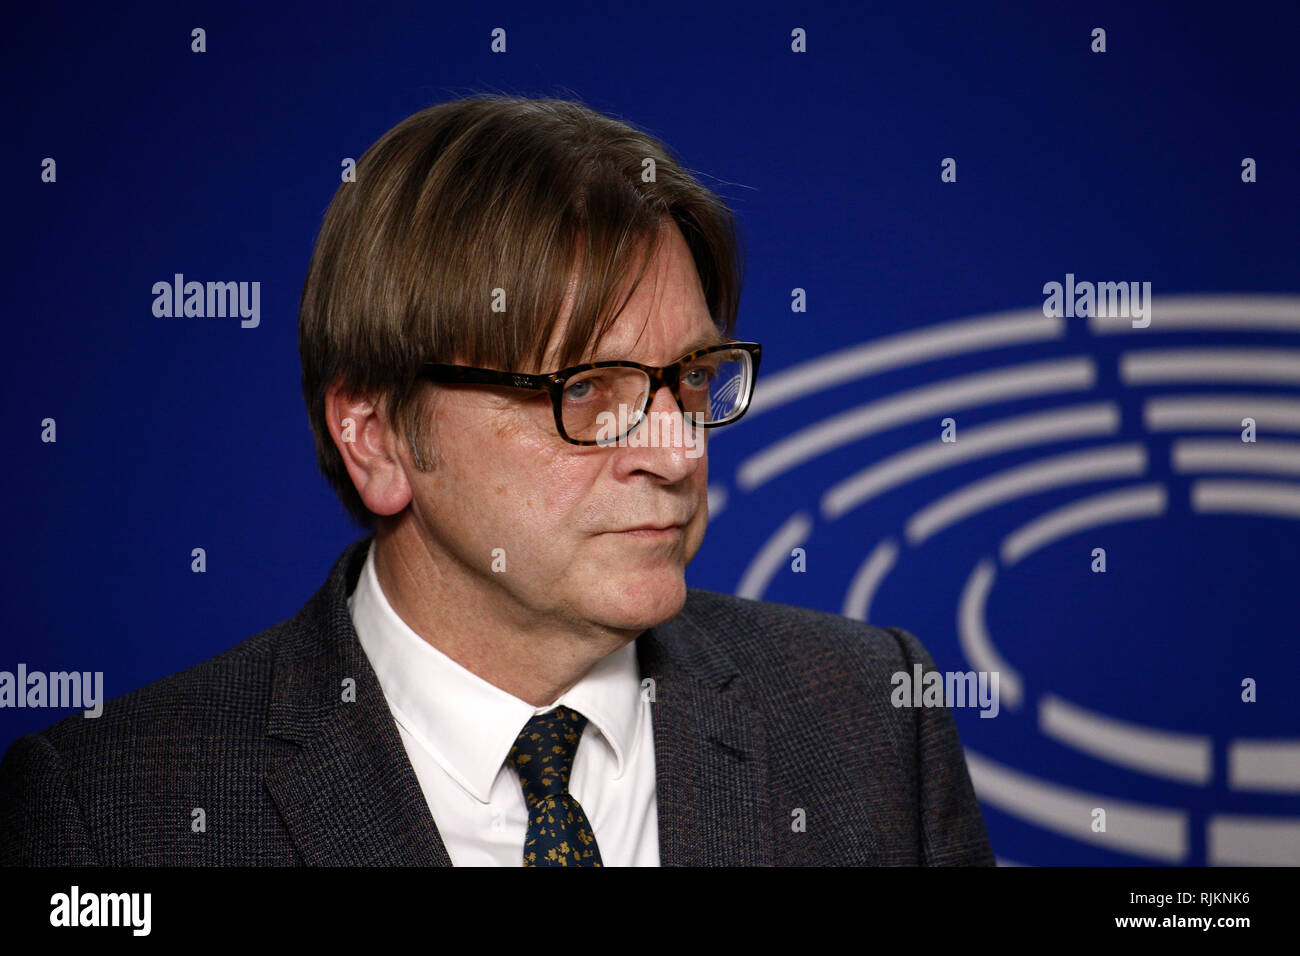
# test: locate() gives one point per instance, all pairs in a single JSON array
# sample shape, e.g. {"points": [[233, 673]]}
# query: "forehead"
{"points": [[665, 317], [663, 348]]}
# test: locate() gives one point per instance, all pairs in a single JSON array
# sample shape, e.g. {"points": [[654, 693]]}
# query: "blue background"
{"points": [[181, 433]]}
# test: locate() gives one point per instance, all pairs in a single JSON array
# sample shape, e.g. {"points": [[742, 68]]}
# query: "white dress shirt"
{"points": [[458, 729]]}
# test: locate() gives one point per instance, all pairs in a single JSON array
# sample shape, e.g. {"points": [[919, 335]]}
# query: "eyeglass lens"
{"points": [[714, 387]]}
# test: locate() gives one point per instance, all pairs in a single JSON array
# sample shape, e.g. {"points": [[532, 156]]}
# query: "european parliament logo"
{"points": [[1096, 501]]}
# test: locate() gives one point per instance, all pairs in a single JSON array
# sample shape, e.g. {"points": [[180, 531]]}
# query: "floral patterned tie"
{"points": [[559, 833]]}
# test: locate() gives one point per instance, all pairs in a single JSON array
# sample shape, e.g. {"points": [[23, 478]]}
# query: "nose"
{"points": [[663, 403], [664, 441]]}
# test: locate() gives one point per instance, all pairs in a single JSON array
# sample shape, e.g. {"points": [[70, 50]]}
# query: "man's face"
{"points": [[559, 512]]}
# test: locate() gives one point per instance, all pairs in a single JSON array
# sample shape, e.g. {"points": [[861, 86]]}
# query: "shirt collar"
{"points": [[467, 724]]}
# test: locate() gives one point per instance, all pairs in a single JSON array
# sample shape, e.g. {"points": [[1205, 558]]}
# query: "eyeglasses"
{"points": [[712, 386]]}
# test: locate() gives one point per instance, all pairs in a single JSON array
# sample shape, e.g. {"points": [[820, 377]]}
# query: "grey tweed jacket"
{"points": [[761, 710]]}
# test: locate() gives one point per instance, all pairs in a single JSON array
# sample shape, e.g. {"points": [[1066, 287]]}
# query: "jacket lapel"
{"points": [[340, 776], [710, 756]]}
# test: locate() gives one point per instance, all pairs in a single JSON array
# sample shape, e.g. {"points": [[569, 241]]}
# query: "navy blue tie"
{"points": [[559, 833]]}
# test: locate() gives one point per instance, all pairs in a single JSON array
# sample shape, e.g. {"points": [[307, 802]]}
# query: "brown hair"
{"points": [[482, 193]]}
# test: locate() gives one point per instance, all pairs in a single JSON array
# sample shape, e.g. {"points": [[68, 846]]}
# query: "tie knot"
{"points": [[543, 752]]}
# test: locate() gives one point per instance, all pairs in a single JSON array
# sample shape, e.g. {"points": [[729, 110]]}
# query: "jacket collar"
{"points": [[349, 796]]}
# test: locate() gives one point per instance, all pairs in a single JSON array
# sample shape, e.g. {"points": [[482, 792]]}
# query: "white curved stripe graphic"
{"points": [[723, 401], [1232, 454], [857, 604], [1053, 425], [1109, 507], [973, 637], [1111, 461], [1188, 412], [906, 348], [1253, 841], [1266, 765], [969, 391], [773, 554], [1226, 312], [1278, 498], [1160, 753], [717, 500], [1157, 366], [1160, 833]]}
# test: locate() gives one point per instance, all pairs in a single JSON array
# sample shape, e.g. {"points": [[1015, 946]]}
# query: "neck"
{"points": [[534, 656]]}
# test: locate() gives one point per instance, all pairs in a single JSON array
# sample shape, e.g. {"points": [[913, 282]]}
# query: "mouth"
{"points": [[651, 531]]}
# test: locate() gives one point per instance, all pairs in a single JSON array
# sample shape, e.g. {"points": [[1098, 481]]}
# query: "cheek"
{"points": [[563, 487], [695, 531], [540, 488], [700, 524]]}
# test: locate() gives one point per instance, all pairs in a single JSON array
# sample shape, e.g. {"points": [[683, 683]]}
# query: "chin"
{"points": [[642, 600]]}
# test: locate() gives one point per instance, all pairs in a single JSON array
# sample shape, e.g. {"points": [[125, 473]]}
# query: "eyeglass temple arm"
{"points": [[483, 376]]}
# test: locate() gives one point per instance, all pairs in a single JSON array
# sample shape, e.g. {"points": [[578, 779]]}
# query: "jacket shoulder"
{"points": [[812, 668], [756, 633], [125, 787], [222, 693], [888, 782]]}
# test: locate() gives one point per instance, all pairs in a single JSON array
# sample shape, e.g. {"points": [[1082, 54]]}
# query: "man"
{"points": [[511, 670]]}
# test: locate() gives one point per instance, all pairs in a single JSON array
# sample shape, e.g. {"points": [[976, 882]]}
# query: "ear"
{"points": [[370, 447]]}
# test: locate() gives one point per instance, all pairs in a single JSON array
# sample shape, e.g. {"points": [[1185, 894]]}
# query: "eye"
{"points": [[579, 391], [703, 375]]}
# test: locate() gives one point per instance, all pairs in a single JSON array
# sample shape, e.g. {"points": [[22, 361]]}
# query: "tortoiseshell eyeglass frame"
{"points": [[554, 382]]}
